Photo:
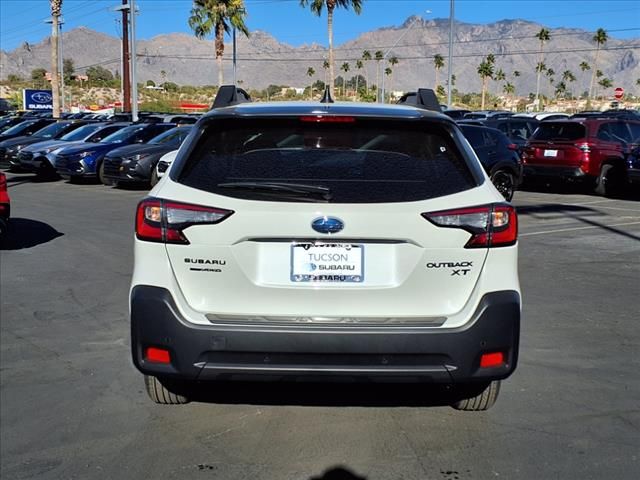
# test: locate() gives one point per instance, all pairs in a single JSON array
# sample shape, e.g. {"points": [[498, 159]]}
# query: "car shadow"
{"points": [[31, 178], [322, 394], [25, 233], [339, 472]]}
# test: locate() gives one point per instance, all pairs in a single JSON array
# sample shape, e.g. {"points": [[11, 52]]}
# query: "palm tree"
{"points": [[388, 72], [378, 56], [366, 56], [325, 66], [393, 61], [508, 89], [485, 70], [56, 7], [550, 73], [438, 63], [561, 89], [605, 83], [345, 68], [310, 73], [359, 66], [316, 7], [568, 76], [219, 17], [543, 36], [499, 75], [600, 38]]}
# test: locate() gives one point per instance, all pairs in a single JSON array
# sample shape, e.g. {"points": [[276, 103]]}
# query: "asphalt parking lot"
{"points": [[73, 406]]}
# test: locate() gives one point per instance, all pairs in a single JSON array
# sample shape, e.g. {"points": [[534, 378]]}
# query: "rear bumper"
{"points": [[532, 171], [424, 354]]}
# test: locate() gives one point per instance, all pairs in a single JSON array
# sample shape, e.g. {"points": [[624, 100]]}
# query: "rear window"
{"points": [[367, 161], [560, 131]]}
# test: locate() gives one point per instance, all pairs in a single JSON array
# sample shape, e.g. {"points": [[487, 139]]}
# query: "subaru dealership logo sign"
{"points": [[37, 99]]}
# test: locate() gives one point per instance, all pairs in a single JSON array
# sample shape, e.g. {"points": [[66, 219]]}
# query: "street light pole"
{"points": [[384, 57], [234, 56], [450, 62], [134, 76], [61, 66]]}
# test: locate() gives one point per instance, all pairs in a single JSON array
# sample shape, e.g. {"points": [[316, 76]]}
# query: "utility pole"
{"points": [[56, 6], [134, 77], [450, 62], [61, 65], [125, 76]]}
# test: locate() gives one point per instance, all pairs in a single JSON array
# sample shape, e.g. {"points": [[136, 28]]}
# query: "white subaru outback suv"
{"points": [[326, 239]]}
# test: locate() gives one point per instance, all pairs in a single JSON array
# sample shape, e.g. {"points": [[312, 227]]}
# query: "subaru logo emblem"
{"points": [[42, 97], [327, 225]]}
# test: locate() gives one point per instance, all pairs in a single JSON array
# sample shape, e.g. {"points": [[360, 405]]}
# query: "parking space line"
{"points": [[576, 228]]}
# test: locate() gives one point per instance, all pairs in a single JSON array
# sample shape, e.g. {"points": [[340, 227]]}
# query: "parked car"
{"points": [[498, 156], [86, 159], [542, 116], [593, 151], [368, 239], [163, 166], [53, 131], [517, 129], [25, 128], [137, 163], [5, 204], [456, 114], [7, 122], [632, 167], [486, 114], [39, 157]]}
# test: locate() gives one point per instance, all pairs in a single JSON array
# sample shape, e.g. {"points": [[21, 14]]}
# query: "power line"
{"points": [[245, 58]]}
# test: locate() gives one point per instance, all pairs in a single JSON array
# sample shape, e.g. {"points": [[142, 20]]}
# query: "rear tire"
{"points": [[505, 183], [479, 402], [159, 393], [610, 181]]}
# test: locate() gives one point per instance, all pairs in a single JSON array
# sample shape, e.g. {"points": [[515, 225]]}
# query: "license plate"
{"points": [[327, 262], [551, 153]]}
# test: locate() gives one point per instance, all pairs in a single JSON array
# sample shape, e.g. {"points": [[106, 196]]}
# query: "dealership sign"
{"points": [[38, 100]]}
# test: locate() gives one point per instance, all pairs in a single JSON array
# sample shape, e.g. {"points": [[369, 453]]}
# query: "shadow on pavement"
{"points": [[322, 394], [338, 473], [31, 178], [24, 233]]}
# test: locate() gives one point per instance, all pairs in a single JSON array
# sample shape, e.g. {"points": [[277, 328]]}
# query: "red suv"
{"points": [[593, 150]]}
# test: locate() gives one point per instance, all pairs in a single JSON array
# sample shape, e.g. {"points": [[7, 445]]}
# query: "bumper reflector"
{"points": [[493, 359], [157, 355]]}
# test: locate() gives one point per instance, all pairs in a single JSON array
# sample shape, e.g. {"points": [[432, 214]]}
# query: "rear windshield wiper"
{"points": [[277, 187]]}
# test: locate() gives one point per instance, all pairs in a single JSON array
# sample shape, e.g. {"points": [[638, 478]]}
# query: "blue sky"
{"points": [[22, 20]]}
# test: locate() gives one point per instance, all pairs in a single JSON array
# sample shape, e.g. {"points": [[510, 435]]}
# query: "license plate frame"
{"points": [[302, 270]]}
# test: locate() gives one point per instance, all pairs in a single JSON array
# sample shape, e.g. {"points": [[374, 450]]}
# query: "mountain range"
{"points": [[263, 60]]}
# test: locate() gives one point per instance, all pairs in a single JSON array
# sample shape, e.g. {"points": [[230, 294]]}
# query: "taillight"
{"points": [[512, 146], [163, 221], [490, 226], [3, 182]]}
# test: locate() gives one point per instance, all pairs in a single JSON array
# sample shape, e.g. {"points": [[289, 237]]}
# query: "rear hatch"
{"points": [[557, 144], [322, 222]]}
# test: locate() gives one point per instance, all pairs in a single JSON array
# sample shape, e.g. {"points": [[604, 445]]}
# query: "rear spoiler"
{"points": [[229, 95], [424, 98]]}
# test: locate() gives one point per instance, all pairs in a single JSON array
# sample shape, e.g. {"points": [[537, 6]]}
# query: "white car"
{"points": [[325, 239], [162, 166]]}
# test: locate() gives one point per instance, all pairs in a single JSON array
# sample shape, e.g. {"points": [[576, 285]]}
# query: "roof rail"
{"points": [[230, 95], [424, 98]]}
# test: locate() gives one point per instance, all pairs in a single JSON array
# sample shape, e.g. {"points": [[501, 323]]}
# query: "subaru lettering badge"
{"points": [[327, 225]]}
